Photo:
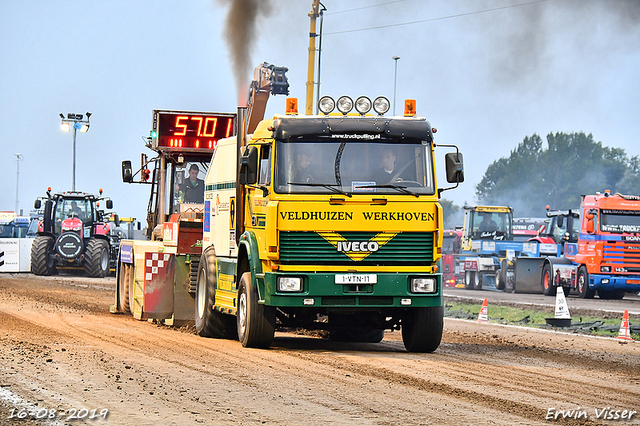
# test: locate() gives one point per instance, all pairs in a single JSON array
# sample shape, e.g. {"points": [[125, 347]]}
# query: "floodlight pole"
{"points": [[395, 79], [18, 158], [77, 121], [73, 179]]}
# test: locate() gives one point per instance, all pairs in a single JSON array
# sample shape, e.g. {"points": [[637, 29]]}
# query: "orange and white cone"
{"points": [[483, 315], [625, 333]]}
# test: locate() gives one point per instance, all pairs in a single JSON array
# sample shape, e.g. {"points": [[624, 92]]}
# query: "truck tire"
{"points": [[548, 286], [422, 329], [96, 258], [41, 262], [209, 322], [354, 335], [501, 275], [123, 288], [255, 322], [583, 284], [477, 280], [469, 278]]}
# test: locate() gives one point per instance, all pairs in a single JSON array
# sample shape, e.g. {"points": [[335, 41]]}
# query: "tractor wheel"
{"points": [[41, 262], [548, 286], [124, 288], [422, 329], [355, 335], [583, 284], [209, 322], [256, 322], [96, 258]]}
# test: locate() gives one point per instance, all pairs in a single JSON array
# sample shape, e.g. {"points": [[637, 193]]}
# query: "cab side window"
{"points": [[264, 177]]}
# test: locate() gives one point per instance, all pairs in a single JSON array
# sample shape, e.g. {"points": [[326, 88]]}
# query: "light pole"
{"points": [[18, 158], [395, 79], [78, 124]]}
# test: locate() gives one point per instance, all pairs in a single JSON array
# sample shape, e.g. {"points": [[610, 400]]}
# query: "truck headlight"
{"points": [[363, 105], [326, 104], [423, 285], [287, 284], [345, 104], [381, 105]]}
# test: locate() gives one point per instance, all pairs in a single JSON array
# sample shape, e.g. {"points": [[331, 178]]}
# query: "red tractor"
{"points": [[74, 233]]}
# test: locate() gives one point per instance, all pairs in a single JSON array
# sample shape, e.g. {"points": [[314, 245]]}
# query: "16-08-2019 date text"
{"points": [[68, 415]]}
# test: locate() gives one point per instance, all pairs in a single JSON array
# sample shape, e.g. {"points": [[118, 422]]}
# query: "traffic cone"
{"points": [[625, 333], [482, 316], [562, 317], [562, 309]]}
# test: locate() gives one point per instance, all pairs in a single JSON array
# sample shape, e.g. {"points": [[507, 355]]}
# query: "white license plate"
{"points": [[356, 278]]}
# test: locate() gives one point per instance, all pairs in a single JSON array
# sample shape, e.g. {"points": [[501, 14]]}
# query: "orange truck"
{"points": [[605, 259]]}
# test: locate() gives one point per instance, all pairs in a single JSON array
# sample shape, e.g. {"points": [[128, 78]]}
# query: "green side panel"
{"points": [[387, 292], [307, 247]]}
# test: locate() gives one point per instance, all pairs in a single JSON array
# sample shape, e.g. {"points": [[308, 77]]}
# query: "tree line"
{"points": [[535, 175]]}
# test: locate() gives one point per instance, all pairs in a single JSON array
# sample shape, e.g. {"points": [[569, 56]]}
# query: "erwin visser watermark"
{"points": [[605, 413]]}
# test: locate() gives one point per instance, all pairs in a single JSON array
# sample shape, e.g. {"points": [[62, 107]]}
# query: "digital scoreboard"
{"points": [[190, 131]]}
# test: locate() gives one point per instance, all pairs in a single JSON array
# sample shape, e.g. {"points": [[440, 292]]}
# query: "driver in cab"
{"points": [[488, 225]]}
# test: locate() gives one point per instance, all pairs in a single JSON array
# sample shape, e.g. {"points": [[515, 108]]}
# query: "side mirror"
{"points": [[590, 225], [109, 204], [248, 174], [116, 219], [127, 174], [37, 204], [180, 177], [455, 167], [560, 221]]}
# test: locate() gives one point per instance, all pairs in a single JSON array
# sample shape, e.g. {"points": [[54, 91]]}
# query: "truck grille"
{"points": [[621, 255], [405, 248]]}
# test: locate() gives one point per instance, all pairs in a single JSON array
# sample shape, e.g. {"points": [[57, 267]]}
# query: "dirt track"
{"points": [[62, 350]]}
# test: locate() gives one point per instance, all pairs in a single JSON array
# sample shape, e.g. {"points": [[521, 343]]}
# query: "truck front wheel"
{"points": [[422, 329], [209, 322], [256, 323], [96, 258], [41, 262], [583, 284]]}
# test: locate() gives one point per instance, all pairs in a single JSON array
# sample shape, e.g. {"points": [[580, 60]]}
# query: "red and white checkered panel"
{"points": [[156, 265]]}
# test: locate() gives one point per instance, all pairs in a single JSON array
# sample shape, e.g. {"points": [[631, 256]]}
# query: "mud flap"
{"points": [[528, 275], [159, 270]]}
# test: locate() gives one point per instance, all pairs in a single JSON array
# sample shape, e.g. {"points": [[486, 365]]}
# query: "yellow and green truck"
{"points": [[303, 228]]}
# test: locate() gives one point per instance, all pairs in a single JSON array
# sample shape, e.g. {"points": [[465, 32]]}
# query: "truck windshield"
{"points": [[351, 166], [492, 225], [620, 221]]}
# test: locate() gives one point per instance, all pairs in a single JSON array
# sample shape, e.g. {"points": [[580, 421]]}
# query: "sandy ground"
{"points": [[61, 350]]}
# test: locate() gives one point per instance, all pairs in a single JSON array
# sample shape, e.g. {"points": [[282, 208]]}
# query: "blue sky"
{"points": [[484, 73]]}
